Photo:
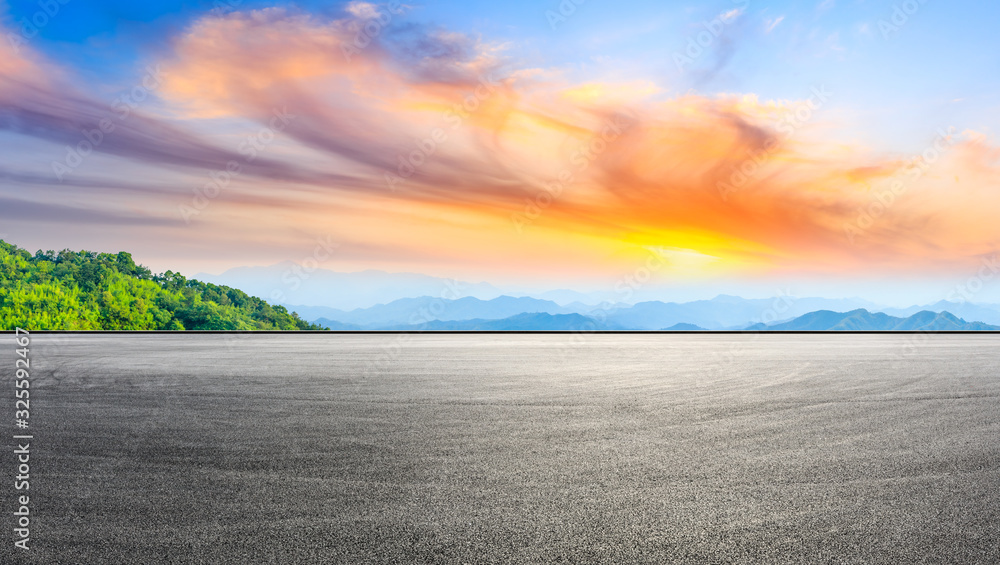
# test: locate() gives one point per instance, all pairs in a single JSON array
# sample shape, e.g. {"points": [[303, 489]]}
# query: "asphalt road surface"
{"points": [[508, 449]]}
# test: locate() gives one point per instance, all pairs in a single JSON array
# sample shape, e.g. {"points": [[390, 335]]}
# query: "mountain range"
{"points": [[520, 322], [723, 312], [377, 300], [720, 313], [415, 311], [822, 320], [863, 320]]}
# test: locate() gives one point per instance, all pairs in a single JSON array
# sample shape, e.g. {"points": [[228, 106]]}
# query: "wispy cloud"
{"points": [[479, 134], [770, 24], [730, 15]]}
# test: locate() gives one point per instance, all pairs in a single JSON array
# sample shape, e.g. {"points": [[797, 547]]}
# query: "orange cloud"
{"points": [[724, 177]]}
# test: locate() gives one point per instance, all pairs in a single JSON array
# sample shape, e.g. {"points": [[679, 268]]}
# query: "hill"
{"points": [[863, 320], [986, 313], [684, 328], [520, 322], [416, 311], [822, 320], [722, 312], [337, 326], [83, 290]]}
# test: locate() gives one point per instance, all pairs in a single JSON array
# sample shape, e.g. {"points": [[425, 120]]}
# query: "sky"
{"points": [[836, 148]]}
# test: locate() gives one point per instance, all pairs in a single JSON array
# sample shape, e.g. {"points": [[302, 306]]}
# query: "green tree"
{"points": [[84, 290]]}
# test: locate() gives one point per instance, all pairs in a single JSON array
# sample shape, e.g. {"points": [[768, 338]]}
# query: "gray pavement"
{"points": [[511, 449]]}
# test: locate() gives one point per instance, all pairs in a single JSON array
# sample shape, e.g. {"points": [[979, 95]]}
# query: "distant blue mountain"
{"points": [[863, 320], [987, 313], [417, 311], [397, 298], [722, 312], [684, 328], [338, 326], [520, 322], [822, 320]]}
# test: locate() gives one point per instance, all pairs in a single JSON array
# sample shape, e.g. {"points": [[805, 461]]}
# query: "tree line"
{"points": [[84, 290]]}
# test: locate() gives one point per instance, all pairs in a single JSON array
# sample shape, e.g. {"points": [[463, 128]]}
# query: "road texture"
{"points": [[291, 448]]}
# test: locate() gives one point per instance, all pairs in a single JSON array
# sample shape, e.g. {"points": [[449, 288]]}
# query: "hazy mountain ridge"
{"points": [[822, 320], [417, 311], [538, 321], [722, 312], [863, 320], [290, 283], [986, 313], [684, 328], [345, 297]]}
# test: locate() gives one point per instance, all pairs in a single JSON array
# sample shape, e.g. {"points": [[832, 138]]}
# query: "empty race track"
{"points": [[511, 449]]}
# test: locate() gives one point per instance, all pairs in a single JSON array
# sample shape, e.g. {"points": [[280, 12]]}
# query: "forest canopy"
{"points": [[84, 290]]}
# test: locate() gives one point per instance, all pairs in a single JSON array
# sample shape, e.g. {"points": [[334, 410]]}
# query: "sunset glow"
{"points": [[447, 147]]}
